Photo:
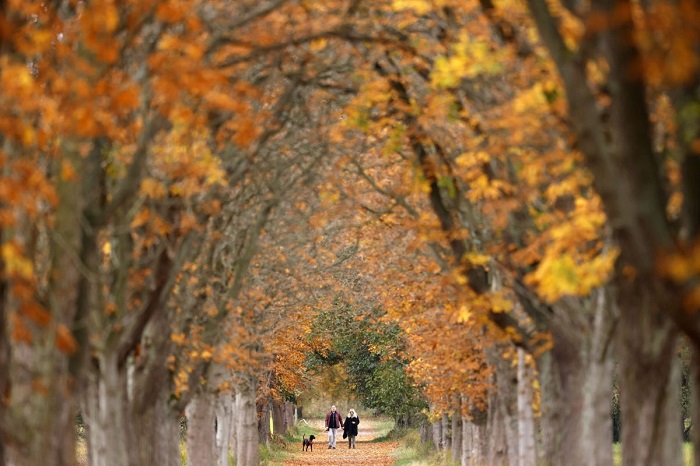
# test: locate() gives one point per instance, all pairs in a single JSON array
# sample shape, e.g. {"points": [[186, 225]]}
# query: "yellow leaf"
{"points": [[153, 188], [421, 7], [15, 262], [318, 45]]}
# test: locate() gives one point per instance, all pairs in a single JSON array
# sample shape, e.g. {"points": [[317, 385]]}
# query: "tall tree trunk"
{"points": [[288, 415], [597, 389], [467, 442], [550, 416], [155, 419], [445, 432], [247, 452], [480, 440], [505, 408], [437, 434], [649, 382], [42, 401], [494, 436], [457, 435], [695, 403], [264, 417], [201, 438], [4, 353], [106, 416], [576, 381], [155, 434], [527, 446], [278, 421], [224, 420]]}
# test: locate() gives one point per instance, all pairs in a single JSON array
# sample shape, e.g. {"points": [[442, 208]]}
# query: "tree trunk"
{"points": [[247, 453], [445, 432], [264, 428], [437, 434], [155, 433], [201, 438], [550, 417], [494, 440], [106, 417], [467, 442], [527, 447], [503, 408], [695, 403], [278, 421], [289, 414], [649, 381], [480, 441], [457, 436], [4, 352], [597, 390], [576, 383], [224, 420]]}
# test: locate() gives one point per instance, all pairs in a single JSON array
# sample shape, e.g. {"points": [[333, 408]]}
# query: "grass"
{"points": [[687, 454], [412, 452]]}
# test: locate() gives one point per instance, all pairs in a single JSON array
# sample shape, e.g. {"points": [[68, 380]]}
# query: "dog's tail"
{"points": [[303, 437]]}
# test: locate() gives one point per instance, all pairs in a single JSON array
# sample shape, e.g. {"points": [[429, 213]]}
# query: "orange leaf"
{"points": [[36, 313], [20, 331], [64, 340], [67, 171]]}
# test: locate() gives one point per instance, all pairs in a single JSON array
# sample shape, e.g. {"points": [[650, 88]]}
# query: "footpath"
{"points": [[365, 452]]}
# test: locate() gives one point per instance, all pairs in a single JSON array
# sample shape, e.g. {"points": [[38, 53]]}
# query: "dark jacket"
{"points": [[338, 419], [351, 425]]}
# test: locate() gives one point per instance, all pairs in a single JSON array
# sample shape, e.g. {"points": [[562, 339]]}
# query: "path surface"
{"points": [[365, 452]]}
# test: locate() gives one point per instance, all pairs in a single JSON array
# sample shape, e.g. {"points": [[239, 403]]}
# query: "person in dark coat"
{"points": [[351, 423]]}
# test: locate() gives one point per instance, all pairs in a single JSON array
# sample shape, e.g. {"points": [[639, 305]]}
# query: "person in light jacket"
{"points": [[333, 421], [351, 423]]}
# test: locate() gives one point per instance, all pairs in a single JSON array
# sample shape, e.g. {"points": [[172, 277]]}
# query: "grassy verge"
{"points": [[687, 454], [412, 452]]}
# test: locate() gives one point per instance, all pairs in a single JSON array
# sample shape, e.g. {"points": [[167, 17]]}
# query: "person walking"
{"points": [[333, 421], [351, 423]]}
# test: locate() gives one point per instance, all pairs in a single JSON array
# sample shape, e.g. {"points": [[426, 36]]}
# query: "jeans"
{"points": [[332, 431], [351, 441]]}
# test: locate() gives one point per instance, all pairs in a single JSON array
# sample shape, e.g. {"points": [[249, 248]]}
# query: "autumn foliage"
{"points": [[193, 194]]}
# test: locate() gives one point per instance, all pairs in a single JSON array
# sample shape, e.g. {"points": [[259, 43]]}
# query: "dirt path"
{"points": [[365, 452]]}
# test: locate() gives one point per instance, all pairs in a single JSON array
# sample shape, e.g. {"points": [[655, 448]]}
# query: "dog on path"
{"points": [[307, 443]]}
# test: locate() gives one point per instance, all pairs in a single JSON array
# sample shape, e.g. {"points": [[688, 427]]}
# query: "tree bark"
{"points": [[503, 408], [467, 441], [201, 438], [224, 421], [437, 434], [278, 421], [527, 446], [264, 417], [445, 432], [42, 403], [695, 403], [247, 452], [154, 417], [550, 417], [4, 353], [106, 416], [493, 437], [597, 390], [457, 435], [649, 382]]}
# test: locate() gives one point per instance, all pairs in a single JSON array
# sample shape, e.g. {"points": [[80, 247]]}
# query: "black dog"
{"points": [[307, 443]]}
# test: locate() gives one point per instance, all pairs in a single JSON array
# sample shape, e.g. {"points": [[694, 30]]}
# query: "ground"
{"points": [[366, 452]]}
